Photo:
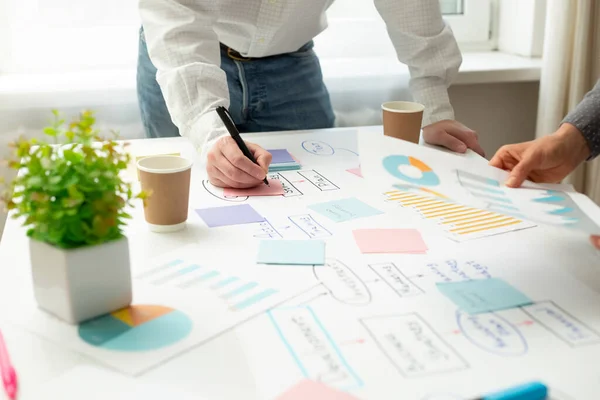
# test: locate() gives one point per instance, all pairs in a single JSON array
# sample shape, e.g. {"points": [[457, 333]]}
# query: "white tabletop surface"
{"points": [[219, 367]]}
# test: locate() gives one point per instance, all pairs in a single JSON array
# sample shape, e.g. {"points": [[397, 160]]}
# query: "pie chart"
{"points": [[136, 328], [393, 163]]}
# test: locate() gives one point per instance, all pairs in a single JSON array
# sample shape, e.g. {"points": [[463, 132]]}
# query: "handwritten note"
{"points": [[390, 241], [345, 209], [275, 188], [312, 348], [292, 252], [412, 346], [229, 215], [318, 180], [483, 295], [314, 391], [308, 225]]}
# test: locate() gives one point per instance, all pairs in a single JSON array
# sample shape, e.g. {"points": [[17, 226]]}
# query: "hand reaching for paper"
{"points": [[545, 160], [227, 166], [452, 135]]}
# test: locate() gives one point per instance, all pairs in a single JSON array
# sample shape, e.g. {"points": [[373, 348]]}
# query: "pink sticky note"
{"points": [[355, 171], [275, 188], [390, 241], [310, 390]]}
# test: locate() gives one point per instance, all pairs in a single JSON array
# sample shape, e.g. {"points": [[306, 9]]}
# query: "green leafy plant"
{"points": [[70, 194]]}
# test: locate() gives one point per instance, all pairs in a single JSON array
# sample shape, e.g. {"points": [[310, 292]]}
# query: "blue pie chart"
{"points": [[427, 178], [137, 328]]}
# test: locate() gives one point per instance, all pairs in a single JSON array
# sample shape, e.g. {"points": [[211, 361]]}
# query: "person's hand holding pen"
{"points": [[232, 163], [227, 166]]}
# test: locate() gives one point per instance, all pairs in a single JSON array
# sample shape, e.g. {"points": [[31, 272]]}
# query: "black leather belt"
{"points": [[234, 55]]}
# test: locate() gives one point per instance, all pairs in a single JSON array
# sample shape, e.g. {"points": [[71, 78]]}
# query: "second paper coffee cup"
{"points": [[402, 120], [167, 180]]}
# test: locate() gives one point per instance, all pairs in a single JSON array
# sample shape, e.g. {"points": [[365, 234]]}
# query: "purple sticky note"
{"points": [[281, 156], [229, 215]]}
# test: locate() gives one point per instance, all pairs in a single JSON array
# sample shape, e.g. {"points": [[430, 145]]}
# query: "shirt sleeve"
{"points": [[426, 44], [184, 48], [586, 118]]}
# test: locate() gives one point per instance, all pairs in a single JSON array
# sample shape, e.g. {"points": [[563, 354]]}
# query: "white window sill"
{"points": [[477, 68], [118, 86]]}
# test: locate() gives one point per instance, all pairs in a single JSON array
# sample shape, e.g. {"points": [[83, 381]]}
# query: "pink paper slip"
{"points": [[310, 390], [275, 188], [355, 171], [408, 241]]}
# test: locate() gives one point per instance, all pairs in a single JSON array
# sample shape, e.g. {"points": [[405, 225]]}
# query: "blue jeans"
{"points": [[278, 93]]}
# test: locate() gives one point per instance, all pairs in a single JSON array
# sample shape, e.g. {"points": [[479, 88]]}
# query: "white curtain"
{"points": [[570, 69]]}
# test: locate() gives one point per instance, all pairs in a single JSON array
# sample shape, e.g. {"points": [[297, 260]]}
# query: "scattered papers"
{"points": [[283, 161], [483, 295], [314, 391], [390, 241], [356, 171], [229, 215], [345, 209], [275, 188], [292, 252]]}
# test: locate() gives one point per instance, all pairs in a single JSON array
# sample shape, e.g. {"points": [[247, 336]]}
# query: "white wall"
{"points": [[501, 113]]}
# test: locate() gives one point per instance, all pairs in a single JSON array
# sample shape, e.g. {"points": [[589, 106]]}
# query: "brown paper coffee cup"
{"points": [[402, 120], [167, 179]]}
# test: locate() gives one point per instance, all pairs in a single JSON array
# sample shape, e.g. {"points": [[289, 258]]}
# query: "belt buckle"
{"points": [[234, 55]]}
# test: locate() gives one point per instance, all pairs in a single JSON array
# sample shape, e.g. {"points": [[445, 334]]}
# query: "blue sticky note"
{"points": [[229, 215], [483, 295], [291, 252], [345, 209]]}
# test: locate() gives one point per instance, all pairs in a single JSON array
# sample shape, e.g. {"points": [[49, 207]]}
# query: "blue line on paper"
{"points": [[359, 382]]}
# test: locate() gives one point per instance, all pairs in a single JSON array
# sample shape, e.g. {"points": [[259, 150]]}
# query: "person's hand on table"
{"points": [[545, 160], [227, 166], [452, 135]]}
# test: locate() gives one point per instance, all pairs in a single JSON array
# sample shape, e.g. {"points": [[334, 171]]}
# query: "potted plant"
{"points": [[73, 202]]}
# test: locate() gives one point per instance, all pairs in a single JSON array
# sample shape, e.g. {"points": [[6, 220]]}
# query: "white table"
{"points": [[217, 364]]}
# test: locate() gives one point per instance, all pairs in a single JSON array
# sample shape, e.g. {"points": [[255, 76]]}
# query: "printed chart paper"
{"points": [[396, 163], [179, 301]]}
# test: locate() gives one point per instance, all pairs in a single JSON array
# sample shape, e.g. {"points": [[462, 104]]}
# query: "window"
{"points": [[365, 35], [43, 36]]}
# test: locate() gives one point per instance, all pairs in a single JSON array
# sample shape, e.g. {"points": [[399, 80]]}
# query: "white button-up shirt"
{"points": [[183, 42]]}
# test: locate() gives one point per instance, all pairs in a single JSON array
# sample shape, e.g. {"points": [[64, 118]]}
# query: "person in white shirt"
{"points": [[255, 57]]}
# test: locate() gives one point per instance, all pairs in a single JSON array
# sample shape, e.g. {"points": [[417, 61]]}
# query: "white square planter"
{"points": [[83, 283]]}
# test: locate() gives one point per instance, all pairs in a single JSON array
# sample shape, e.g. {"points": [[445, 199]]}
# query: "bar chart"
{"points": [[240, 294], [540, 205], [458, 221]]}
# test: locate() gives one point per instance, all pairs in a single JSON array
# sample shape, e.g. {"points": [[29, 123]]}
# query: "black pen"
{"points": [[235, 134]]}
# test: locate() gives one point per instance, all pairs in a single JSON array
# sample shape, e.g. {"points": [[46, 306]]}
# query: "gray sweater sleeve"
{"points": [[586, 117]]}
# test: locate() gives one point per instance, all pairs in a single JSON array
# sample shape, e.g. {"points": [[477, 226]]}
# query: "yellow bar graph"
{"points": [[422, 204], [458, 217], [458, 220], [442, 212], [459, 230], [513, 222], [489, 219]]}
